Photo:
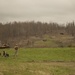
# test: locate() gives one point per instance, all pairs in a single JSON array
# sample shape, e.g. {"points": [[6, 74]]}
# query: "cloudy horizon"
{"points": [[60, 11]]}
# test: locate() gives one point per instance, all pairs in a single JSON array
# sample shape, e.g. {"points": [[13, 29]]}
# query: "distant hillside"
{"points": [[37, 34]]}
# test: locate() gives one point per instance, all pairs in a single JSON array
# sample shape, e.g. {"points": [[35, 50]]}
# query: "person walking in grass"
{"points": [[16, 50]]}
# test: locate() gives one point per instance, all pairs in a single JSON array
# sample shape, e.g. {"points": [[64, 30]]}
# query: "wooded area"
{"points": [[15, 32]]}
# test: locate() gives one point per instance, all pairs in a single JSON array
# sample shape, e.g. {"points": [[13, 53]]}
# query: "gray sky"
{"points": [[60, 11]]}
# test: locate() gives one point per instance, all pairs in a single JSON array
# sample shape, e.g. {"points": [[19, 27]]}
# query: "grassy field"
{"points": [[39, 61]]}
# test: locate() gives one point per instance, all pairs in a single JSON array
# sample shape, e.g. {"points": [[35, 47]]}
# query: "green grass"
{"points": [[39, 61], [42, 54]]}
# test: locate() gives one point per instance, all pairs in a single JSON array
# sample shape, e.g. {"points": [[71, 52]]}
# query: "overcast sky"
{"points": [[60, 11]]}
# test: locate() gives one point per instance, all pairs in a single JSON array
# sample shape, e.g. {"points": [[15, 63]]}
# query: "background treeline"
{"points": [[21, 32]]}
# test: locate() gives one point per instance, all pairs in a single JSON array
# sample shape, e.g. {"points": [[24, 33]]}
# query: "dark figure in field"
{"points": [[16, 49], [0, 54], [5, 54]]}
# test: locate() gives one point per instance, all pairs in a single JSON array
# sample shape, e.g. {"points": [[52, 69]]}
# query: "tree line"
{"points": [[23, 30]]}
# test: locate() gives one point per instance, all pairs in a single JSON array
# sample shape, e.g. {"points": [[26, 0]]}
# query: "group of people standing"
{"points": [[5, 54]]}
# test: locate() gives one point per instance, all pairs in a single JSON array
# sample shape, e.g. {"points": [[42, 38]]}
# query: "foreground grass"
{"points": [[39, 61], [52, 68]]}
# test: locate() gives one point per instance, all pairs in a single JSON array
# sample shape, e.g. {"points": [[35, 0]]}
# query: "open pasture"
{"points": [[38, 61]]}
